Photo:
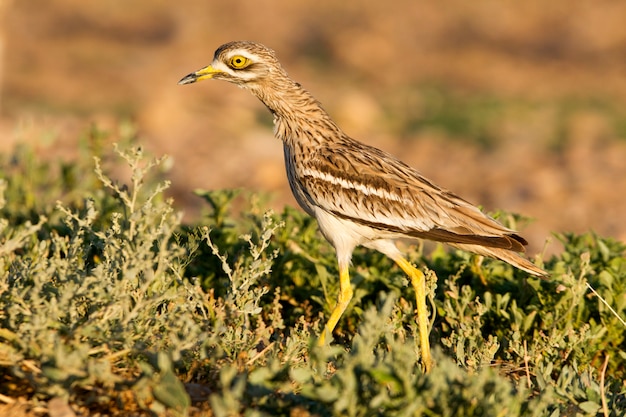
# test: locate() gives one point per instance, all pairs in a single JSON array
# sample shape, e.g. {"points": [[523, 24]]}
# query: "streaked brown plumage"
{"points": [[359, 195]]}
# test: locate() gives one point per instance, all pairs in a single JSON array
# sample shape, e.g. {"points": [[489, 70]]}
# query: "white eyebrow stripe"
{"points": [[219, 65], [245, 75], [242, 52]]}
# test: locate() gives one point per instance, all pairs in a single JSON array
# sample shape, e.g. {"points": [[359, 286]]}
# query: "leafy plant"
{"points": [[108, 302]]}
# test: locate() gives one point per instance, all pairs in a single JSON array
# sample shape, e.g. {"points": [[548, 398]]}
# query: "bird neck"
{"points": [[298, 116]]}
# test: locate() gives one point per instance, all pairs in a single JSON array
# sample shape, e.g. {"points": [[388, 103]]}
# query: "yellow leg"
{"points": [[345, 295], [419, 283], [475, 264]]}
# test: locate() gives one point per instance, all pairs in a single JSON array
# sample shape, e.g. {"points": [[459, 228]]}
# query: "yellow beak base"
{"points": [[201, 74]]}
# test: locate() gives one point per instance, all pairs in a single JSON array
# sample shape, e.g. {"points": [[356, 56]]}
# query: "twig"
{"points": [[258, 355], [6, 400], [526, 366], [606, 304], [605, 408]]}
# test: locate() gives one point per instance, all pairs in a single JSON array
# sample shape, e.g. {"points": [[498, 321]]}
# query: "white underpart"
{"points": [[346, 235]]}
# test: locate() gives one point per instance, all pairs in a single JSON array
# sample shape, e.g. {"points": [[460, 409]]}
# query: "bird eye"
{"points": [[239, 62]]}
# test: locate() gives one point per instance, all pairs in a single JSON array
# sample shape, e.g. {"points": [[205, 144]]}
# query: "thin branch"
{"points": [[607, 304], [605, 408], [526, 365]]}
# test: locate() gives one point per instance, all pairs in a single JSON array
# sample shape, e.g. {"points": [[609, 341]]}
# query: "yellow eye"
{"points": [[239, 62]]}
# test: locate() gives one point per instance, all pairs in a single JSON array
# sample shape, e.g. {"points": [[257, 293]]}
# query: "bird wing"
{"points": [[368, 186]]}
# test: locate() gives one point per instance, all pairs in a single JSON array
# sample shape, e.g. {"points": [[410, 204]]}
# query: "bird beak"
{"points": [[201, 74]]}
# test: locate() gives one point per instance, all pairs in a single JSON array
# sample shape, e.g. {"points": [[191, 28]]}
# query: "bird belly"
{"points": [[344, 234]]}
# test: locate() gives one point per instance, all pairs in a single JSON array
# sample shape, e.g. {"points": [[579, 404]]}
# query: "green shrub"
{"points": [[109, 302]]}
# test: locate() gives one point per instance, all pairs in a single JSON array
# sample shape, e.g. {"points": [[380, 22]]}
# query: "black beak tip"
{"points": [[188, 79]]}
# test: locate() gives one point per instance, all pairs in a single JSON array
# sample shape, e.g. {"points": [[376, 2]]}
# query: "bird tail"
{"points": [[507, 256]]}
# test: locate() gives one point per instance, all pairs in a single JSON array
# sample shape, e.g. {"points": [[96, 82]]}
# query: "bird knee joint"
{"points": [[418, 278], [345, 296]]}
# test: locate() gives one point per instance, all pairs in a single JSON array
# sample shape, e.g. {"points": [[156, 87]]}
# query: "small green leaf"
{"points": [[170, 391], [589, 407], [300, 375]]}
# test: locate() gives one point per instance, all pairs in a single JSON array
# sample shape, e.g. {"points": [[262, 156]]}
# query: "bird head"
{"points": [[240, 62]]}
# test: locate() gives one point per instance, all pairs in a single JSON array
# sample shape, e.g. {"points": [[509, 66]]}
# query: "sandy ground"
{"points": [[557, 148]]}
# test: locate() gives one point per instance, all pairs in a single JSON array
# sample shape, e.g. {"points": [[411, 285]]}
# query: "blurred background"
{"points": [[517, 106]]}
